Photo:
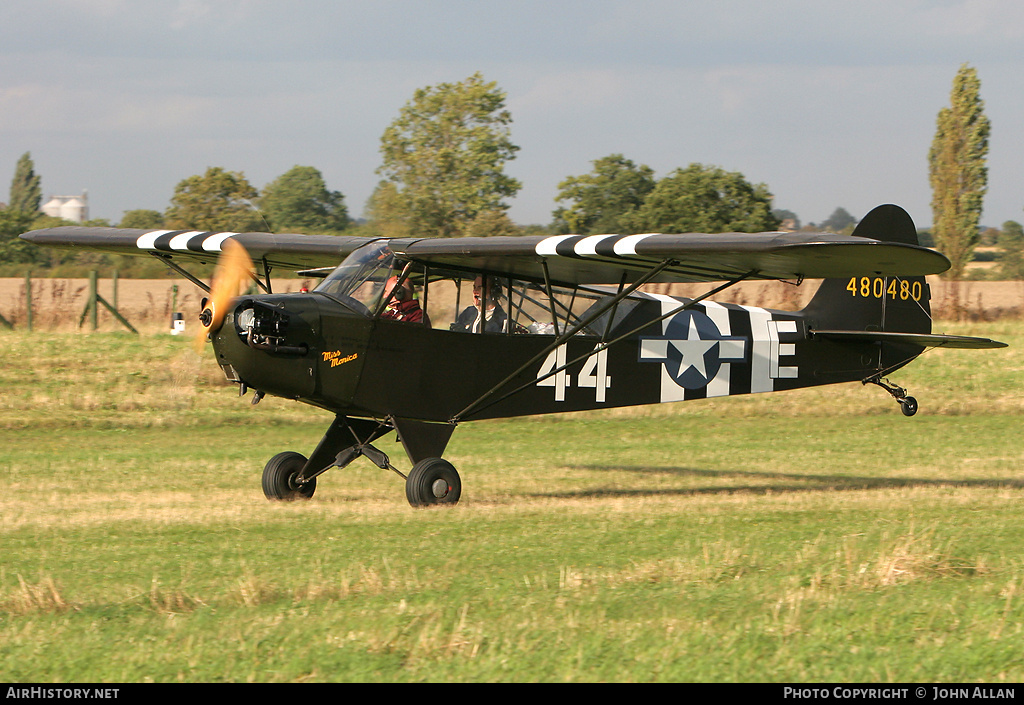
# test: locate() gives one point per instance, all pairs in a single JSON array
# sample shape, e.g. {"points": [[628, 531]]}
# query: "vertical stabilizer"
{"points": [[875, 303]]}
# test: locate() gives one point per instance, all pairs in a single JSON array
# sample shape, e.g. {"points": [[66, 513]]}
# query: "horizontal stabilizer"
{"points": [[925, 340]]}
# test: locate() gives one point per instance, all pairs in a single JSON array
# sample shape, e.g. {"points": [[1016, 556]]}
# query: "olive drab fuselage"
{"points": [[360, 365]]}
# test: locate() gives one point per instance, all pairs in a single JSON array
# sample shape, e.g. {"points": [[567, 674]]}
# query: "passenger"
{"points": [[496, 318], [403, 306]]}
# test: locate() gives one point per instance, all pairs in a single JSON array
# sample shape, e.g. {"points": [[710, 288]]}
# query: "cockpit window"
{"points": [[358, 282], [454, 299], [518, 307]]}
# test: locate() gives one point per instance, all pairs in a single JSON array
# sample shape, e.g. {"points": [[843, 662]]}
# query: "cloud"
{"points": [[189, 13], [829, 102], [578, 89], [994, 20]]}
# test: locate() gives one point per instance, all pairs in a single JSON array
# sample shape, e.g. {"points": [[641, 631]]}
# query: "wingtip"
{"points": [[59, 234]]}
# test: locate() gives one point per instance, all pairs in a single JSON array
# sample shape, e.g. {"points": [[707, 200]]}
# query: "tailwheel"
{"points": [[908, 404], [433, 481], [280, 478]]}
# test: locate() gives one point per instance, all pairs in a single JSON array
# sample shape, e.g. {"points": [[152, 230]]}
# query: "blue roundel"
{"points": [[692, 353]]}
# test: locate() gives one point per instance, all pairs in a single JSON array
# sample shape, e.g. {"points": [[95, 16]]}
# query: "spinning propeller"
{"points": [[231, 277]]}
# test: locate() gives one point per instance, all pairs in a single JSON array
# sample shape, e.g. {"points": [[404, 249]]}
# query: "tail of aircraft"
{"points": [[886, 319], [875, 303]]}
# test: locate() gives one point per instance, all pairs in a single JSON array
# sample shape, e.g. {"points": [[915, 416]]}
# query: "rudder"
{"points": [[875, 303]]}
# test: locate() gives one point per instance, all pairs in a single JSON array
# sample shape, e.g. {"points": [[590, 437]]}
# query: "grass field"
{"points": [[798, 537]]}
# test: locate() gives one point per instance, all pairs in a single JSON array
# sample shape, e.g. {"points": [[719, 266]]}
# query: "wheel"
{"points": [[909, 406], [433, 481], [279, 477]]}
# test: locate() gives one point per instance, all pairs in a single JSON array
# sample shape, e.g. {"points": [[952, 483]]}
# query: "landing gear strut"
{"points": [[432, 480], [908, 404]]}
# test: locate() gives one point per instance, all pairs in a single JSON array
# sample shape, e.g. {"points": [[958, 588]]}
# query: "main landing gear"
{"points": [[432, 480], [280, 477], [908, 404]]}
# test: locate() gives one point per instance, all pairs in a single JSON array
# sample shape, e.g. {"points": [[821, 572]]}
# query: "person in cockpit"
{"points": [[486, 307], [402, 304]]}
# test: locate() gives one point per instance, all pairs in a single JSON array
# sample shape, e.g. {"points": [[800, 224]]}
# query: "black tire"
{"points": [[433, 481], [909, 406], [279, 478]]}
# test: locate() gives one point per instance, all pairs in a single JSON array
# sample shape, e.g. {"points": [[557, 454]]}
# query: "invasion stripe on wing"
{"points": [[547, 245], [621, 245], [627, 245], [587, 247], [213, 243], [148, 241], [192, 240], [180, 242]]}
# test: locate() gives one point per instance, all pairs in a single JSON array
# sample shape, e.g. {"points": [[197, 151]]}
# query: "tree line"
{"points": [[443, 175]]}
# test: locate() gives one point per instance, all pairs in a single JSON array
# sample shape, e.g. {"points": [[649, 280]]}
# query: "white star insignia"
{"points": [[693, 350]]}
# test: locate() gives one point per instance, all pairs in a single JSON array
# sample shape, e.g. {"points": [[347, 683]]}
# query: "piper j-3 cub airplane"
{"points": [[540, 325]]}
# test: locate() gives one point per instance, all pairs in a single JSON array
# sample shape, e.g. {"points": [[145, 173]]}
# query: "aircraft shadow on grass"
{"points": [[796, 482]]}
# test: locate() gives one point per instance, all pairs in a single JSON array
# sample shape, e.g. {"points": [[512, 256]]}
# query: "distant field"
{"points": [[811, 536], [149, 303]]}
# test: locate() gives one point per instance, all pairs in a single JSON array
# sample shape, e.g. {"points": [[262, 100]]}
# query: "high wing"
{"points": [[280, 251], [563, 259], [694, 257]]}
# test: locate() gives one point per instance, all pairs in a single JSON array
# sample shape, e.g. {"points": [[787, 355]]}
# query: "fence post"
{"points": [[95, 300], [93, 317], [10, 326], [28, 300]]}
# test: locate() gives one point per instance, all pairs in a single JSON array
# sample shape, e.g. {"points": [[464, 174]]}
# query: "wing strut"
{"points": [[166, 259], [611, 316], [601, 346], [178, 268], [266, 273], [559, 339], [551, 297]]}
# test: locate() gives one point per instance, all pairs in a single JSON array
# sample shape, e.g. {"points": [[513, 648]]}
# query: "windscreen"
{"points": [[361, 277]]}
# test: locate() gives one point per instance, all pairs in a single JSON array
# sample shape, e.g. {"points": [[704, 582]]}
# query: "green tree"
{"points": [[491, 224], [598, 201], [217, 201], [143, 219], [387, 213], [839, 221], [26, 193], [445, 154], [299, 201], [1011, 246], [704, 199], [989, 237], [14, 250], [957, 171], [783, 215]]}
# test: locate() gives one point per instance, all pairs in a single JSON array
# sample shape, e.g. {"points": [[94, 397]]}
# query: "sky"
{"points": [[830, 103]]}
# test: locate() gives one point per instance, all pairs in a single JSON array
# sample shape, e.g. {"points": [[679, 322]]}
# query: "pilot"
{"points": [[402, 306], [496, 318]]}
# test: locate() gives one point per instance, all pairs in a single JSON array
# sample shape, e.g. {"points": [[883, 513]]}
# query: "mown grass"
{"points": [[808, 536]]}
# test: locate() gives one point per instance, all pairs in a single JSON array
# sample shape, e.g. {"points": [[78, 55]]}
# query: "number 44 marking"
{"points": [[594, 374]]}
